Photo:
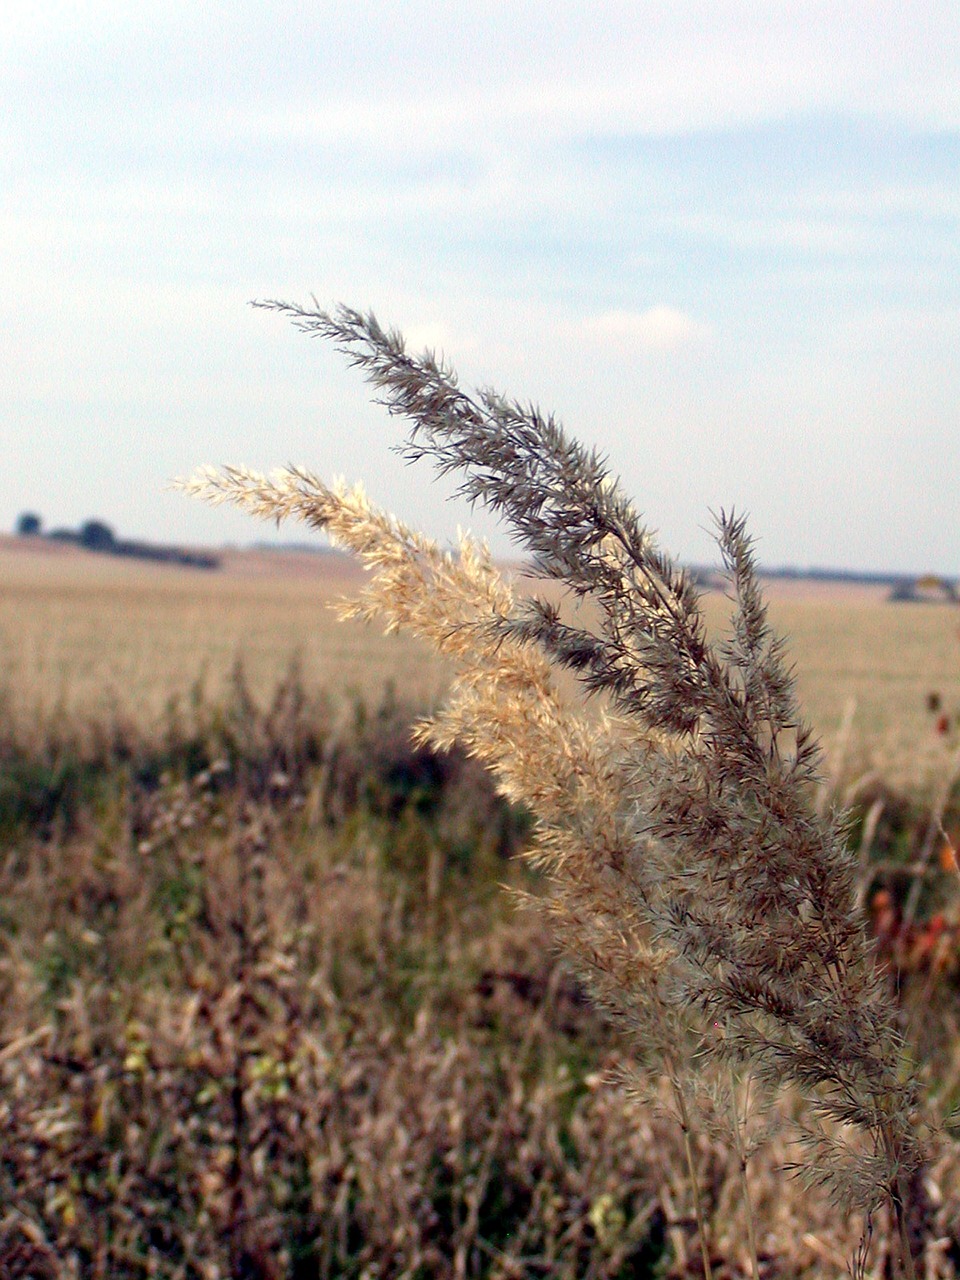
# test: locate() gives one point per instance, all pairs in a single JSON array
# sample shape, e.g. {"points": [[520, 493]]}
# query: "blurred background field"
{"points": [[266, 1009], [87, 635]]}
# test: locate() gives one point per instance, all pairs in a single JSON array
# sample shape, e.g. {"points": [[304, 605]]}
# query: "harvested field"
{"points": [[85, 635], [866, 669], [89, 635]]}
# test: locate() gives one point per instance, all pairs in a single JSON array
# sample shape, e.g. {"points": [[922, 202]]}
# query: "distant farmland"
{"points": [[83, 634]]}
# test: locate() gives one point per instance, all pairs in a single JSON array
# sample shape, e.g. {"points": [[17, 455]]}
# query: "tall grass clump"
{"points": [[708, 904]]}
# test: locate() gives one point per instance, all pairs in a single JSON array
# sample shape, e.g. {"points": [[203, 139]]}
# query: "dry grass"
{"points": [[705, 897], [239, 1040]]}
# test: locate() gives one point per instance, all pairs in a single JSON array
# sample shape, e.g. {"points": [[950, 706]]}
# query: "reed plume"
{"points": [[710, 906]]}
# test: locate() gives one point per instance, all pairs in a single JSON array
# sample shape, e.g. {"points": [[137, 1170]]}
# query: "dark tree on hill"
{"points": [[28, 525], [97, 536]]}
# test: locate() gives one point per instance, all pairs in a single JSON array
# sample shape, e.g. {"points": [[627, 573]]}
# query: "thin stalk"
{"points": [[900, 1210], [899, 1198], [742, 1163], [751, 1225], [934, 827], [692, 1173]]}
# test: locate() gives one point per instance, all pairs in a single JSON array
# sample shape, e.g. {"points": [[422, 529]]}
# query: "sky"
{"points": [[719, 239]]}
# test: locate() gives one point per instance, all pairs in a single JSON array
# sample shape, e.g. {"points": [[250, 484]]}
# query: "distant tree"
{"points": [[28, 525], [97, 536]]}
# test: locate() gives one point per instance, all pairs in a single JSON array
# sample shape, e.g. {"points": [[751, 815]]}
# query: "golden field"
{"points": [[82, 633]]}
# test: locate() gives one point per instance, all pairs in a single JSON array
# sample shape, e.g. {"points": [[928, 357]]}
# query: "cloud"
{"points": [[386, 74], [656, 329]]}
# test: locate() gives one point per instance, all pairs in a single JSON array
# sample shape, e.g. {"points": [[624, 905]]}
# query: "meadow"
{"points": [[265, 1007]]}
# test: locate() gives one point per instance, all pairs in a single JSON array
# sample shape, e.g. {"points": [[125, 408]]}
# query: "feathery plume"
{"points": [[710, 905]]}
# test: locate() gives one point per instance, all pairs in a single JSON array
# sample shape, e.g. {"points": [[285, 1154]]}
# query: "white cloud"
{"points": [[388, 73], [656, 329], [553, 71], [439, 338]]}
